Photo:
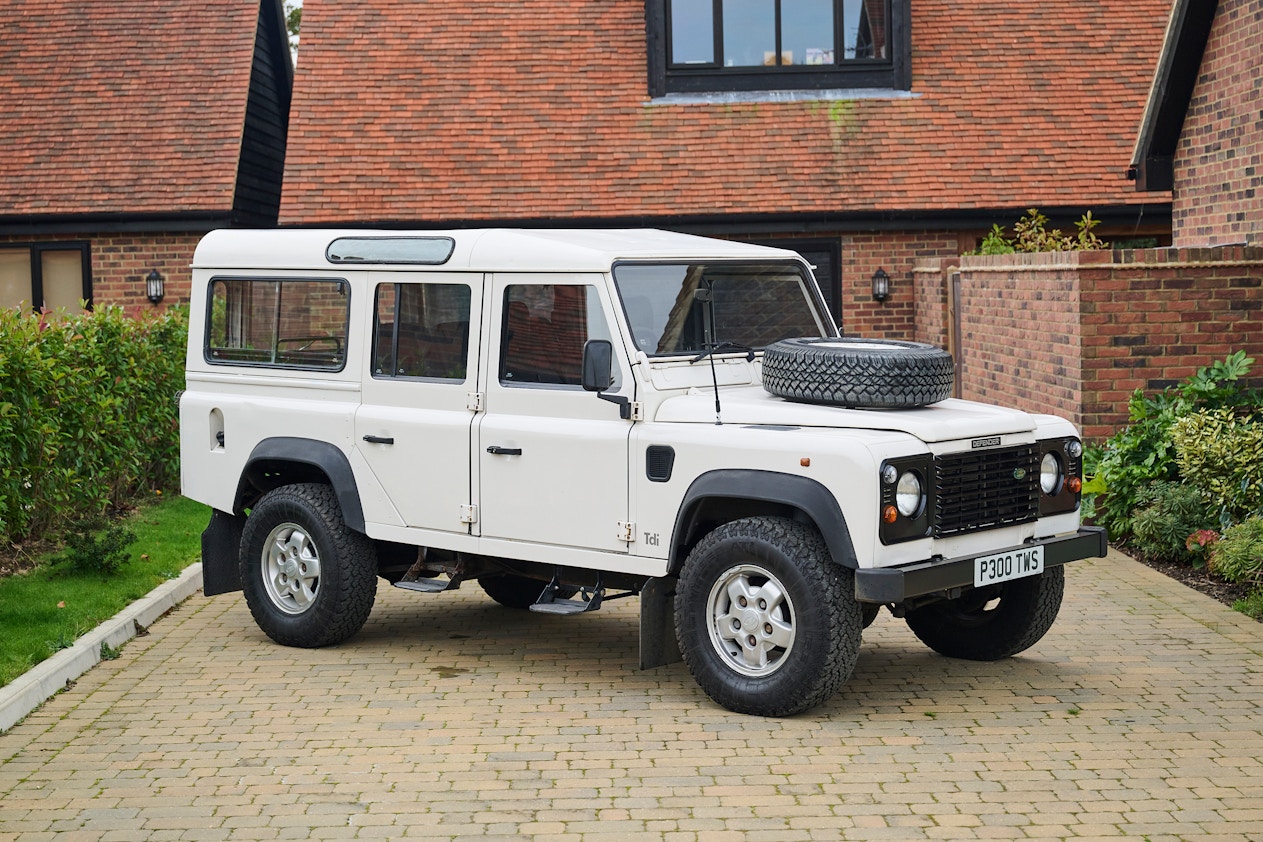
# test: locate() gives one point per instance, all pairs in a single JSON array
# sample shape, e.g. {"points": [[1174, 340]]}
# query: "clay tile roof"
{"points": [[122, 107], [540, 108]]}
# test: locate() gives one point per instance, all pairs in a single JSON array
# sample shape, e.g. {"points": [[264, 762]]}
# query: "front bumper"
{"points": [[949, 577]]}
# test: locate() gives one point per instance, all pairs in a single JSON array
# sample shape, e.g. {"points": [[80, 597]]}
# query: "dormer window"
{"points": [[757, 45]]}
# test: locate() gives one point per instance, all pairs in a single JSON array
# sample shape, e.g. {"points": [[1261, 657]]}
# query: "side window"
{"points": [[278, 323], [544, 330], [52, 275], [421, 330]]}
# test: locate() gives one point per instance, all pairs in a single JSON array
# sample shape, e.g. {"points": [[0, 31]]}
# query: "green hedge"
{"points": [[88, 414]]}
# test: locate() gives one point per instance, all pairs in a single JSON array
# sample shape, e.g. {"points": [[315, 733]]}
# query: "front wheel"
{"points": [[987, 624], [309, 580], [767, 623]]}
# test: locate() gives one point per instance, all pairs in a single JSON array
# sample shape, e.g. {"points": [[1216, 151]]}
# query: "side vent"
{"points": [[659, 460]]}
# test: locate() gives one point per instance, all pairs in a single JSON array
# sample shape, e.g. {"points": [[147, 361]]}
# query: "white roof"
{"points": [[483, 250]]}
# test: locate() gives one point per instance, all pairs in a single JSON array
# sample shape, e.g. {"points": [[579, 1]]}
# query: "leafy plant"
{"points": [[1169, 514], [995, 242], [1218, 451], [97, 546], [1031, 234], [1238, 556], [88, 414], [1251, 606], [1143, 452]]}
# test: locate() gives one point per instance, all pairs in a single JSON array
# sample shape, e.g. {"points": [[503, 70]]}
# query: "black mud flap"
{"points": [[221, 546]]}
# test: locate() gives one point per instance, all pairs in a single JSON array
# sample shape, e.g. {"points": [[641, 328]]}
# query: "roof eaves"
{"points": [[1152, 161]]}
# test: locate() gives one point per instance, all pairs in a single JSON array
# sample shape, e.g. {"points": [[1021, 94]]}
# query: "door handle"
{"points": [[379, 440], [504, 451]]}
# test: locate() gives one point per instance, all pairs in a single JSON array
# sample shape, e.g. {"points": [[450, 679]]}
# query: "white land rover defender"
{"points": [[569, 417]]}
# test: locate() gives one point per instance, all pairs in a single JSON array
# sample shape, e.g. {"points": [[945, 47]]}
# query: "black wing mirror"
{"points": [[598, 365], [598, 374]]}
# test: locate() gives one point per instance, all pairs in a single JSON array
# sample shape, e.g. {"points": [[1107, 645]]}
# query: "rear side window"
{"points": [[421, 330], [278, 323]]}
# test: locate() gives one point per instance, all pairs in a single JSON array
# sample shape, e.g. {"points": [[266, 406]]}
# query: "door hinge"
{"points": [[469, 514], [627, 532], [473, 401], [637, 411]]}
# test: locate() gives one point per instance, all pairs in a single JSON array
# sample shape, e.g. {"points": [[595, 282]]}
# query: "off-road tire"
{"points": [[301, 526], [759, 557], [861, 373], [966, 628], [518, 591]]}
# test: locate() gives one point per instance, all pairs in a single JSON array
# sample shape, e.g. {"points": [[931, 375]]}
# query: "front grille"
{"points": [[986, 489]]}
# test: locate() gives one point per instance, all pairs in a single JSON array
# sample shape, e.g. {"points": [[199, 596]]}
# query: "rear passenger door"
{"points": [[414, 424]]}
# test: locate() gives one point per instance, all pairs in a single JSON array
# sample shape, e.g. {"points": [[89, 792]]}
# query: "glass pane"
{"points": [[433, 331], [692, 32], [545, 328], [62, 273], [752, 305], [298, 324], [15, 277], [749, 33], [429, 251], [865, 29], [807, 31]]}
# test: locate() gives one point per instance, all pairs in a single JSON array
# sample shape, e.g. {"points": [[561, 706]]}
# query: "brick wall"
{"points": [[119, 264], [1076, 333], [1020, 343], [1219, 161]]}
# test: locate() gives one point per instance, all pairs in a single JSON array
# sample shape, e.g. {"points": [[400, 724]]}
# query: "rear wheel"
{"points": [[309, 580], [987, 624], [767, 623]]}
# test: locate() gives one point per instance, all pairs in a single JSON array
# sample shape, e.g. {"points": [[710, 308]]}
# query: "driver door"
{"points": [[552, 458]]}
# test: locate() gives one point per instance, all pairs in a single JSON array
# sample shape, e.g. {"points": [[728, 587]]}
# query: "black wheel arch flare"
{"points": [[738, 492], [285, 460]]}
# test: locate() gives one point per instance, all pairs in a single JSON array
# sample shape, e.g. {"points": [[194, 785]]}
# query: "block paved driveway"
{"points": [[450, 717]]}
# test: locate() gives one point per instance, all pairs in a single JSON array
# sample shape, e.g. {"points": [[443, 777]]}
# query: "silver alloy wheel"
{"points": [[291, 568], [751, 620]]}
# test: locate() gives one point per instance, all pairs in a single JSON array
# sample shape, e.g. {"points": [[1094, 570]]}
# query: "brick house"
{"points": [[867, 134], [1202, 132], [131, 129], [1140, 318]]}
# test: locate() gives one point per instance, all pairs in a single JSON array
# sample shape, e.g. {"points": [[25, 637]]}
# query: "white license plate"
{"points": [[1003, 567]]}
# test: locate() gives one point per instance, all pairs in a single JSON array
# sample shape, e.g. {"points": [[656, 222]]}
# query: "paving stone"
{"points": [[449, 717]]}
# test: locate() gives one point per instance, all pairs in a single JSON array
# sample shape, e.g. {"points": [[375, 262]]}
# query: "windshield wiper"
{"points": [[725, 348]]}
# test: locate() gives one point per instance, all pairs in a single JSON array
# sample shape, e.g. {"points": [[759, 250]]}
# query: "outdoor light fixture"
{"points": [[881, 285], [154, 286]]}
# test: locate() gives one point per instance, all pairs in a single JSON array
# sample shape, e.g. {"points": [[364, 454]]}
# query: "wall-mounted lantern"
{"points": [[881, 285], [154, 286]]}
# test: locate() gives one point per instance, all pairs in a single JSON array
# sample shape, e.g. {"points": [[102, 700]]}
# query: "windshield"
{"points": [[688, 308]]}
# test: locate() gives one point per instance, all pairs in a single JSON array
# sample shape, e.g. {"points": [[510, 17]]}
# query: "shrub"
{"points": [[1218, 451], [1169, 514], [1031, 234], [97, 545], [1143, 452], [88, 414], [1238, 556]]}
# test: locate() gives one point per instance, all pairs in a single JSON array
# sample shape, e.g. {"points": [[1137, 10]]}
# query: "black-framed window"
{"points": [[750, 45], [45, 275]]}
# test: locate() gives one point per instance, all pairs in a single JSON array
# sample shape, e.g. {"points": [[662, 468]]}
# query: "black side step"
{"points": [[431, 585], [585, 601]]}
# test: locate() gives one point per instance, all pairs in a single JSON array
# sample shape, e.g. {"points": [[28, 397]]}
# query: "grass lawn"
{"points": [[46, 609]]}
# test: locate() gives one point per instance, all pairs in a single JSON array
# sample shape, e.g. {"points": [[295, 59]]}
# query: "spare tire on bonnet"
{"points": [[855, 372]]}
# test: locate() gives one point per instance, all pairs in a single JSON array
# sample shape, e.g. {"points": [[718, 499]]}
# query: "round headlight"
{"points": [[1050, 474], [908, 494], [1075, 448]]}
